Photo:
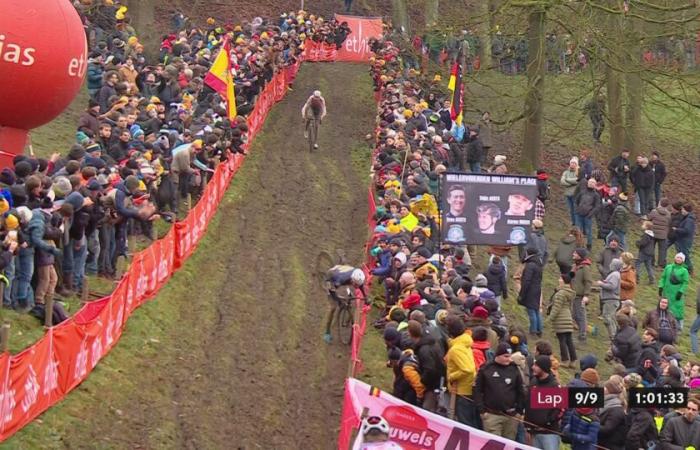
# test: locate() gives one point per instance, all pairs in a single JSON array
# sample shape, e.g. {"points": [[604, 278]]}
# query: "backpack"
{"points": [[666, 334]]}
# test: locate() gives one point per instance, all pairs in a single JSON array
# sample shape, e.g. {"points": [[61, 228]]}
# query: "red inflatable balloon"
{"points": [[43, 60]]}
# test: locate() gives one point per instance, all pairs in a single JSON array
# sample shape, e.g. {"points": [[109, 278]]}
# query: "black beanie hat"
{"points": [[544, 362], [23, 169]]}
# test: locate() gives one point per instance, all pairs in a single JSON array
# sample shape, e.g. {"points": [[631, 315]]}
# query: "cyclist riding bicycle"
{"points": [[337, 277], [314, 109]]}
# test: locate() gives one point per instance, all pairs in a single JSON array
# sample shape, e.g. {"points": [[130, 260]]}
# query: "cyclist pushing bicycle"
{"points": [[338, 277], [314, 110]]}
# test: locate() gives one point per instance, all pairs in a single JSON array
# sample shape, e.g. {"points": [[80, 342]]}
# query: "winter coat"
{"points": [[89, 122], [642, 429], [497, 280], [587, 202], [94, 76], [653, 319], [660, 218], [564, 255], [430, 361], [604, 259], [627, 346], [407, 385], [538, 241], [617, 168], [36, 231], [676, 218], [628, 283], [677, 431], [613, 424], [384, 268], [674, 292], [559, 314], [569, 180], [685, 232], [620, 220], [643, 177], [502, 393], [542, 420], [103, 96], [582, 430], [659, 169], [610, 286], [603, 218], [461, 369], [531, 283], [650, 352], [475, 150], [582, 280], [646, 244]]}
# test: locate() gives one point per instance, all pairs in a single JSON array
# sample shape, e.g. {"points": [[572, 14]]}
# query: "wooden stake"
{"points": [[5, 336], [355, 320], [48, 311], [85, 291]]}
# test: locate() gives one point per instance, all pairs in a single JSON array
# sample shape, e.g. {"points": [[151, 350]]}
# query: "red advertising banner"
{"points": [[356, 46]]}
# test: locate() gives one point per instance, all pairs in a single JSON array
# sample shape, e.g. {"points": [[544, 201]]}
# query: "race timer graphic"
{"points": [[566, 397], [658, 397]]}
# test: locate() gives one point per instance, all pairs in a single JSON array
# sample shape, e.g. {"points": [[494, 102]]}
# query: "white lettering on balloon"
{"points": [[15, 54]]}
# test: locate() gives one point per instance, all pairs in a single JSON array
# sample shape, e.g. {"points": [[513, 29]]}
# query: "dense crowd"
{"points": [[563, 52], [444, 327], [149, 139]]}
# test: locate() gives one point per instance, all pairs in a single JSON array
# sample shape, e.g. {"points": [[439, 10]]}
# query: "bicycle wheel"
{"points": [[313, 134], [345, 322]]}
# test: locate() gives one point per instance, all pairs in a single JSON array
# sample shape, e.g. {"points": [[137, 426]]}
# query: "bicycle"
{"points": [[313, 133], [344, 295]]}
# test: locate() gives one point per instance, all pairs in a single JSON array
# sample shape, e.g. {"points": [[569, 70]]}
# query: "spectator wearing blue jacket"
{"points": [[384, 258], [582, 429], [95, 71]]}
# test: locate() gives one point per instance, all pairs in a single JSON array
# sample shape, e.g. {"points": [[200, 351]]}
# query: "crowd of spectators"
{"points": [[444, 325], [149, 138]]}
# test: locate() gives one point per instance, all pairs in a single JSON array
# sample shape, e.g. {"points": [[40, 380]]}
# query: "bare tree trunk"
{"points": [[613, 80], [534, 107], [432, 8], [615, 119], [485, 34], [142, 13], [634, 88], [400, 16]]}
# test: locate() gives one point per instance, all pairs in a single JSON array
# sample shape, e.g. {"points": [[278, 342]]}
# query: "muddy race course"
{"points": [[230, 354]]}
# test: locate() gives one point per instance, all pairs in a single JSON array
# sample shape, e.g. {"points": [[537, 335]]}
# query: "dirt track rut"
{"points": [[245, 366]]}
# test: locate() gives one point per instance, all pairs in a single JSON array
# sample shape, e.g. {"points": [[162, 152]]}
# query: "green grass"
{"points": [[665, 121], [148, 337], [59, 134]]}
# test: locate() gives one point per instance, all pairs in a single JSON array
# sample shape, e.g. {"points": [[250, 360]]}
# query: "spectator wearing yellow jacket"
{"points": [[461, 371]]}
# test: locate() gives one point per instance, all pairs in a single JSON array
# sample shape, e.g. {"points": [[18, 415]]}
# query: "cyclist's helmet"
{"points": [[358, 277], [374, 423], [317, 93]]}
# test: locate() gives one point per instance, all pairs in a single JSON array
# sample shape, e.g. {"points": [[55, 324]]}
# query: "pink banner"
{"points": [[356, 46], [411, 427]]}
